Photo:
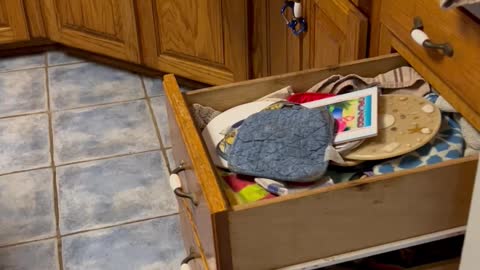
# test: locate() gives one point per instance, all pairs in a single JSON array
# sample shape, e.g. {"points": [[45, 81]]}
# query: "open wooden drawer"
{"points": [[317, 224]]}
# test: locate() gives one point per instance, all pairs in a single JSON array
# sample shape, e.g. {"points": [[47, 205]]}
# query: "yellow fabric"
{"points": [[253, 193]]}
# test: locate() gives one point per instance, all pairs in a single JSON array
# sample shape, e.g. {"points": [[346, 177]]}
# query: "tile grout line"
{"points": [[22, 69], [108, 157], [78, 108], [23, 114], [82, 161], [155, 124], [120, 224], [75, 108], [89, 230], [98, 105], [42, 67], [26, 170], [54, 170], [70, 63], [27, 242]]}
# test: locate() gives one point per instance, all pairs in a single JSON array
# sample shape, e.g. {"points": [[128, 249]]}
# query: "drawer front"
{"points": [[190, 239], [459, 72], [198, 207], [190, 183]]}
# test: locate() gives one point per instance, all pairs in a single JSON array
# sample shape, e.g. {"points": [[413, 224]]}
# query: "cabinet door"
{"points": [[274, 49], [337, 33], [13, 24], [203, 40], [102, 26]]}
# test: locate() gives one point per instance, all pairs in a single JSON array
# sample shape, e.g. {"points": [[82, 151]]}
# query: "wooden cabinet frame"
{"points": [[235, 46], [13, 22], [73, 30]]}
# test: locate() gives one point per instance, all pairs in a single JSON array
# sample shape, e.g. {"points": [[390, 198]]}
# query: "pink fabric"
{"points": [[237, 183], [307, 97]]}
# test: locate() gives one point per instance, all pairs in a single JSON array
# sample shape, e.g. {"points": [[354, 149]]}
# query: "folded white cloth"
{"points": [[456, 3]]}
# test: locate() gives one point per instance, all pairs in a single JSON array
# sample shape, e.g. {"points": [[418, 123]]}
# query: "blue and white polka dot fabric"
{"points": [[447, 144]]}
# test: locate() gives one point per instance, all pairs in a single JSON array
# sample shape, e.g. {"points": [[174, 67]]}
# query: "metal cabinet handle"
{"points": [[297, 23], [192, 256], [422, 39], [176, 185], [179, 168]]}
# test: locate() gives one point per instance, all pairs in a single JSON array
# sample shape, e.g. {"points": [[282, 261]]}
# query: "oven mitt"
{"points": [[285, 142], [230, 133]]}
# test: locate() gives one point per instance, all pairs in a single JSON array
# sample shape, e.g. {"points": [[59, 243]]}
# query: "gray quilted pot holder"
{"points": [[288, 144]]}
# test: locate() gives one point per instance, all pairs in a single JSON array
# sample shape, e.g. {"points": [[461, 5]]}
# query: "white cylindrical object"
{"points": [[297, 10], [419, 36], [175, 181], [185, 266]]}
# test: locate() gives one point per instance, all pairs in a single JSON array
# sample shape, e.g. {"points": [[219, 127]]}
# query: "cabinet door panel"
{"points": [[274, 49], [338, 33], [203, 40], [13, 24], [102, 26], [197, 33]]}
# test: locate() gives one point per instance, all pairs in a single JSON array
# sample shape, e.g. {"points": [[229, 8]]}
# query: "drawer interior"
{"points": [[222, 98]]}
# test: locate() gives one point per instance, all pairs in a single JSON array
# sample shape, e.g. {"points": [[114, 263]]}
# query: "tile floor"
{"points": [[84, 160]]}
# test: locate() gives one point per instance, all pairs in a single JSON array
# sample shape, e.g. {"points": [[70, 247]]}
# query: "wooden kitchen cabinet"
{"points": [[274, 49], [337, 33], [13, 23], [99, 26], [203, 40], [210, 41]]}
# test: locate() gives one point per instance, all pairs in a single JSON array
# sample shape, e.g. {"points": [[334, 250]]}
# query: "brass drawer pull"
{"points": [[180, 168], [176, 185], [422, 39], [192, 256]]}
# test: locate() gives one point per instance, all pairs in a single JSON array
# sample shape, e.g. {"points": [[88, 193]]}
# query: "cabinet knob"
{"points": [[176, 185], [297, 9], [185, 266], [422, 39]]}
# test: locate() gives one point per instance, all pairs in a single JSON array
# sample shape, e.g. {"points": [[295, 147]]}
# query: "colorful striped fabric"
{"points": [[241, 189]]}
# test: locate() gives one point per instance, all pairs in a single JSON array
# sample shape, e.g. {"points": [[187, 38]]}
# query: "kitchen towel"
{"points": [[456, 3], [401, 81]]}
